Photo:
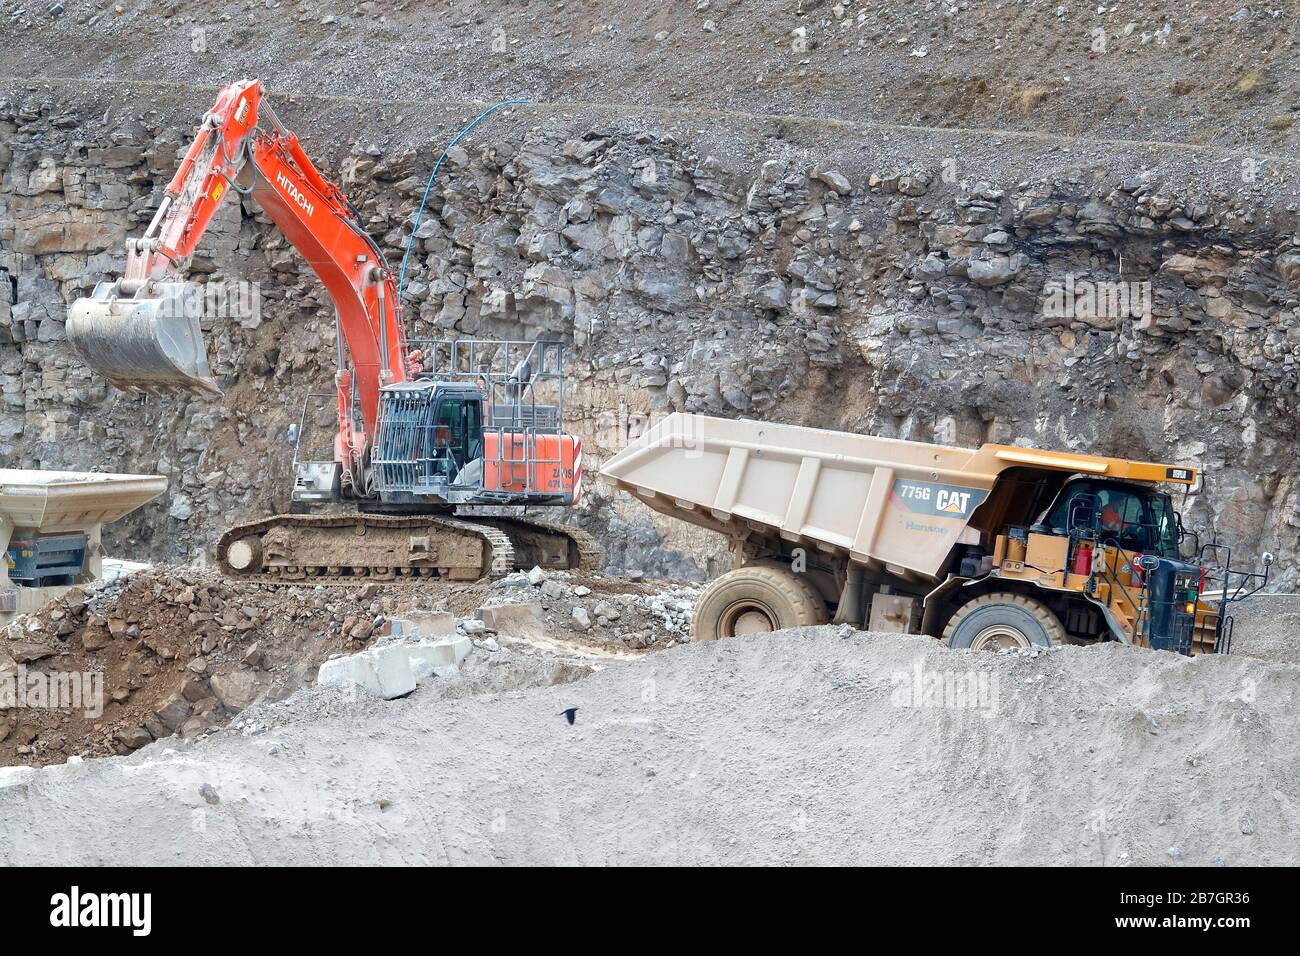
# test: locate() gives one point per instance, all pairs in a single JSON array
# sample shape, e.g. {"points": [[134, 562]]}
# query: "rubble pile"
{"points": [[673, 607], [182, 651], [178, 652], [601, 609]]}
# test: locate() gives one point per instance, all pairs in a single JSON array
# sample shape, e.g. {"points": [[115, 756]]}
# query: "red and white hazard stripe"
{"points": [[577, 469]]}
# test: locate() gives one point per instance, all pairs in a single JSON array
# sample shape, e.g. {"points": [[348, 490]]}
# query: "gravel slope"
{"points": [[1211, 70], [800, 749], [1268, 627]]}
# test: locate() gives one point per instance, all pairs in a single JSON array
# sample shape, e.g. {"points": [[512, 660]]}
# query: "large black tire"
{"points": [[1003, 620], [755, 599]]}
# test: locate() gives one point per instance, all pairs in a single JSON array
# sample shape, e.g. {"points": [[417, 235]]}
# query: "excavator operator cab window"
{"points": [[458, 432], [1140, 520]]}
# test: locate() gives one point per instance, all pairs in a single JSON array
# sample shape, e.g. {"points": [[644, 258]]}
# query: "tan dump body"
{"points": [[72, 501], [54, 502], [885, 502]]}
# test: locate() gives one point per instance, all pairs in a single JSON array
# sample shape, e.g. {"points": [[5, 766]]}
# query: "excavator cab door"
{"points": [[150, 341], [460, 424]]}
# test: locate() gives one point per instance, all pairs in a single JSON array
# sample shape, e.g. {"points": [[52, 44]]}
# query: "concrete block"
{"points": [[420, 624], [510, 618], [15, 776], [428, 656], [384, 671], [393, 670]]}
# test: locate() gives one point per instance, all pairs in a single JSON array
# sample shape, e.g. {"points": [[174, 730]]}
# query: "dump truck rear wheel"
{"points": [[755, 599], [993, 622]]}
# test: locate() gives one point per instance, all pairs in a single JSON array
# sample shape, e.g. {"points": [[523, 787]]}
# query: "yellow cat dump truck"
{"points": [[988, 548]]}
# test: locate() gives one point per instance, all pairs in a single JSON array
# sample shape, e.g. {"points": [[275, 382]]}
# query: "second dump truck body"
{"points": [[1041, 547], [50, 524]]}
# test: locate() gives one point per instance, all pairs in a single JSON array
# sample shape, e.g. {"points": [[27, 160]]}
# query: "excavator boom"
{"points": [[142, 332]]}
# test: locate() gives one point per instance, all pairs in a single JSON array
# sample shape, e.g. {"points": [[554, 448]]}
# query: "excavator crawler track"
{"points": [[584, 553], [347, 548]]}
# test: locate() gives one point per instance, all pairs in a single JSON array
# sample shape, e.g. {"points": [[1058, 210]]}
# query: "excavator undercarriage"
{"points": [[340, 548]]}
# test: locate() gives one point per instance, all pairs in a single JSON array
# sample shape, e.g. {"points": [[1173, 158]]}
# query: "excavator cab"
{"points": [[430, 442], [482, 426]]}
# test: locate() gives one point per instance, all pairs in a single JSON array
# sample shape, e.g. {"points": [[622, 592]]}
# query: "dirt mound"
{"points": [[182, 651], [170, 652], [808, 747], [1268, 626]]}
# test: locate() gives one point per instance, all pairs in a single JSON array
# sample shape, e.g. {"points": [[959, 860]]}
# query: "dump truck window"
{"points": [[1165, 520], [1076, 507], [1142, 522]]}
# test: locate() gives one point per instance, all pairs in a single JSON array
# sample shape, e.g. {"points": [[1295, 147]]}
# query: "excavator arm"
{"points": [[142, 332]]}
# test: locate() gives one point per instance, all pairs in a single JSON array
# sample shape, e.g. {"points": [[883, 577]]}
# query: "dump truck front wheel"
{"points": [[755, 599], [992, 622]]}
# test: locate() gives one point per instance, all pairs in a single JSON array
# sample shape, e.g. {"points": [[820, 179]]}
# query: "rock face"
{"points": [[1111, 314]]}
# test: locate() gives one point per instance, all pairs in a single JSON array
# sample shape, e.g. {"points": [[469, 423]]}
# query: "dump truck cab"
{"points": [[988, 548], [1105, 556]]}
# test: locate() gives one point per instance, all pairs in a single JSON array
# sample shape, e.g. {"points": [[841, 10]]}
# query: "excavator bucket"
{"points": [[152, 344]]}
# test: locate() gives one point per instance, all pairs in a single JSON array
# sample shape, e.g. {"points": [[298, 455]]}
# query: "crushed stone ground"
{"points": [[182, 651], [807, 747]]}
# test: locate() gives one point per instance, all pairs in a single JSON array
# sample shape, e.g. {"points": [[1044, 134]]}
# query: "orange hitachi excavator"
{"points": [[429, 432]]}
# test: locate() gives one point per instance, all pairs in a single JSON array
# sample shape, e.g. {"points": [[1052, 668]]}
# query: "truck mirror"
{"points": [[1148, 562], [1268, 558]]}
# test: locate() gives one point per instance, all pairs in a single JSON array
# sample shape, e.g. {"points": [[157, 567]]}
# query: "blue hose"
{"points": [[410, 240]]}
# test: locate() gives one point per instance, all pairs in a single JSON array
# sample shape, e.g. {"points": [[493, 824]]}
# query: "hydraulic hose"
{"points": [[419, 213]]}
